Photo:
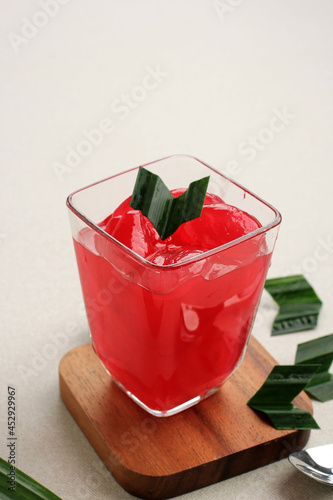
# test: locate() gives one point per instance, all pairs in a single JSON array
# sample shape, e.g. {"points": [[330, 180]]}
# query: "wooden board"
{"points": [[159, 458]]}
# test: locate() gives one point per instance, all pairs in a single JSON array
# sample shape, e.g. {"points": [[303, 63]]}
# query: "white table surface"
{"points": [[219, 74]]}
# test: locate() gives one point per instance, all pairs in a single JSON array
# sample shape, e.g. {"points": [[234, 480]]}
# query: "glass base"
{"points": [[172, 411], [175, 409]]}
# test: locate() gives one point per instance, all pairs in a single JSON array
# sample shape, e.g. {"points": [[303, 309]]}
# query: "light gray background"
{"points": [[225, 70]]}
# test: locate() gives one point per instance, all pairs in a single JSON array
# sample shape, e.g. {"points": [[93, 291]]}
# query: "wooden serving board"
{"points": [[159, 458]]}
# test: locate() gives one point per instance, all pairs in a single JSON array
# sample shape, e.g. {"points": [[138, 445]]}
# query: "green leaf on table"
{"points": [[298, 303], [318, 351], [14, 484], [275, 396], [165, 212]]}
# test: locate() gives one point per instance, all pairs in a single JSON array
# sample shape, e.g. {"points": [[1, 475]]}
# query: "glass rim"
{"points": [[263, 229]]}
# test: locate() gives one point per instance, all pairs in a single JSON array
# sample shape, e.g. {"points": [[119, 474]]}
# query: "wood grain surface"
{"points": [[159, 458]]}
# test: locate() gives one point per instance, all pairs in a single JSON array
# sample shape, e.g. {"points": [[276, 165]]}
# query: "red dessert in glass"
{"points": [[170, 320]]}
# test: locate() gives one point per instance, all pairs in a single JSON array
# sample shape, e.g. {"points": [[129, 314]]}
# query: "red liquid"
{"points": [[167, 334]]}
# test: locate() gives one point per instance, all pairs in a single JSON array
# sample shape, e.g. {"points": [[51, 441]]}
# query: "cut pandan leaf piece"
{"points": [[166, 213], [24, 487], [298, 303], [318, 351], [275, 396]]}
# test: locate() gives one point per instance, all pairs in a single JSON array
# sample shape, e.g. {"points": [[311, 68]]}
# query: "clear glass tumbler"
{"points": [[170, 335]]}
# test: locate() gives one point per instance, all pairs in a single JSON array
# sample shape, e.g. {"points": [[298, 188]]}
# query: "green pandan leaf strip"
{"points": [[289, 417], [152, 197], [298, 303], [321, 392], [275, 396], [318, 351], [14, 484], [320, 348], [283, 384]]}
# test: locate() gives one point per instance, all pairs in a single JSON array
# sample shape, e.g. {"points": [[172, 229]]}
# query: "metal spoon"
{"points": [[315, 462]]}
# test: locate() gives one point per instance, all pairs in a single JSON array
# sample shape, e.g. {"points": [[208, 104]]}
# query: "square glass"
{"points": [[170, 335]]}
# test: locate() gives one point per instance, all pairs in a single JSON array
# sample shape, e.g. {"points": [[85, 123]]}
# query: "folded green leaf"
{"points": [[14, 484], [275, 396], [290, 417], [165, 212], [321, 392], [318, 351], [298, 303]]}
